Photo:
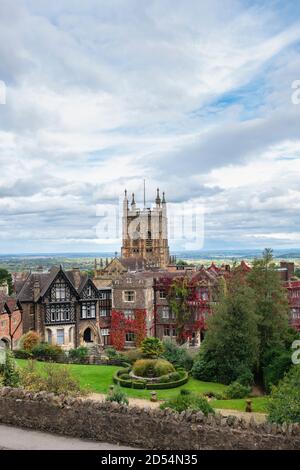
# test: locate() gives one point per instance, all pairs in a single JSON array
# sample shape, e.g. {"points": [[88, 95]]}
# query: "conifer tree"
{"points": [[271, 303], [230, 348]]}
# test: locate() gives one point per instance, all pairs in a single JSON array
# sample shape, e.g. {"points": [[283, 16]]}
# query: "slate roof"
{"points": [[8, 303], [25, 292]]}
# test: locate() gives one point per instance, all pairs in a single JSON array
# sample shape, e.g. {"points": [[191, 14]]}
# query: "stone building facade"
{"points": [[64, 307]]}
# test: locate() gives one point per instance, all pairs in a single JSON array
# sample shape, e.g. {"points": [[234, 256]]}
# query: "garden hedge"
{"points": [[148, 386]]}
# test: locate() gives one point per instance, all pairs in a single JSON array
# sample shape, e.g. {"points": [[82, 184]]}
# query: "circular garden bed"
{"points": [[151, 374]]}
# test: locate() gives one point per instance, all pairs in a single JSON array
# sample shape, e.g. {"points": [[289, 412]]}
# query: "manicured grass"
{"points": [[259, 404], [99, 378], [96, 378]]}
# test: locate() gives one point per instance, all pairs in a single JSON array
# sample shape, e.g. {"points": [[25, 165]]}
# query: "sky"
{"points": [[195, 97]]}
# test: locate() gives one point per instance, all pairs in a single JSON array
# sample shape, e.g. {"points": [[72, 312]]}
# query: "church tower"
{"points": [[145, 231]]}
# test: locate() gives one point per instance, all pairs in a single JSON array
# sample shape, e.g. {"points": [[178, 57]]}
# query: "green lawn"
{"points": [[259, 404], [99, 378]]}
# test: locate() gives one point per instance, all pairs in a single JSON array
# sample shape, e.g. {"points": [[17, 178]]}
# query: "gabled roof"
{"points": [[75, 278], [9, 304], [205, 273]]}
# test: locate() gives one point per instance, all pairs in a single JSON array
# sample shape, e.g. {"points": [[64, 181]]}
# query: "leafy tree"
{"points": [[230, 347], [29, 340], [271, 301], [5, 276], [151, 347], [284, 404], [178, 302]]}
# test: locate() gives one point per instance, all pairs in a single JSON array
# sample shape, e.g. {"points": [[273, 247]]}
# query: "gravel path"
{"points": [[141, 403]]}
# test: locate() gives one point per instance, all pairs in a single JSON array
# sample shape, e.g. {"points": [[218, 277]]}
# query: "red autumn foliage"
{"points": [[121, 325]]}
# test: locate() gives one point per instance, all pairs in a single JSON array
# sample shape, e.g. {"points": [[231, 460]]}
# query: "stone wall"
{"points": [[137, 427]]}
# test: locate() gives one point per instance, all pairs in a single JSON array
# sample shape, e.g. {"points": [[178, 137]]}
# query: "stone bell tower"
{"points": [[145, 231]]}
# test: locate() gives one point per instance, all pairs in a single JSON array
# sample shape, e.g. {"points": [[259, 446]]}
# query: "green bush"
{"points": [[204, 370], [284, 403], [185, 391], [151, 347], [125, 376], [278, 362], [47, 352], [152, 367], [112, 354], [52, 378], [246, 378], [174, 376], [139, 384], [117, 395], [177, 355], [79, 354], [11, 376], [22, 354], [183, 402], [132, 355], [164, 379], [237, 390]]}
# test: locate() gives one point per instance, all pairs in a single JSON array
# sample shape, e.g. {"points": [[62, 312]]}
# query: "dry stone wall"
{"points": [[142, 428]]}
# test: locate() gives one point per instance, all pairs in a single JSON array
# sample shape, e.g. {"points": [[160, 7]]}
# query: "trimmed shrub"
{"points": [[183, 402], [284, 403], [177, 355], [47, 352], [152, 367], [29, 340], [122, 378], [125, 376], [151, 347], [237, 390], [117, 395], [79, 354]]}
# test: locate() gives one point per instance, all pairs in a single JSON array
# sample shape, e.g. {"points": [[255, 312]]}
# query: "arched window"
{"points": [[4, 343], [49, 335]]}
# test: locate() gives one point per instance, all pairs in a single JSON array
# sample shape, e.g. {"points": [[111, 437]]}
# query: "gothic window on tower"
{"points": [[129, 296]]}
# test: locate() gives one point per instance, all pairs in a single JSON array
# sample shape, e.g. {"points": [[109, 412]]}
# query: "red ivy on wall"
{"points": [[120, 326]]}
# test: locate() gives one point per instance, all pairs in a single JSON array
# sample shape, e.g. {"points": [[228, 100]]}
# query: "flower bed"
{"points": [[132, 382]]}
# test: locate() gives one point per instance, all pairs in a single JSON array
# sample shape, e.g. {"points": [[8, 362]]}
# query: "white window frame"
{"points": [[125, 293]]}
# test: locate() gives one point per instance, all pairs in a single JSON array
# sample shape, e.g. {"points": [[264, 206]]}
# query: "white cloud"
{"points": [[194, 97]]}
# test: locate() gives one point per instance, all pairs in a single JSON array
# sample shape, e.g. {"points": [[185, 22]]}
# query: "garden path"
{"points": [[141, 403]]}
